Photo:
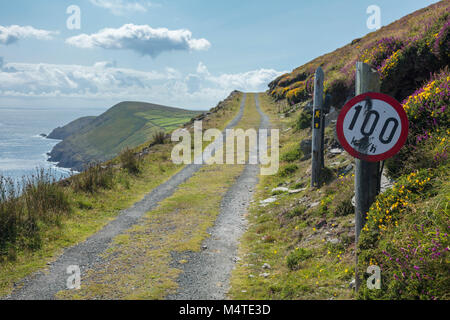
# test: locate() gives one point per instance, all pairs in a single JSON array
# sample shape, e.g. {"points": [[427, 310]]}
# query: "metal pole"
{"points": [[317, 128], [366, 173]]}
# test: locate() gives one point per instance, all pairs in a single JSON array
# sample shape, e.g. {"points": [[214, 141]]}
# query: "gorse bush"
{"points": [[428, 140], [442, 44], [377, 53], [27, 207], [409, 66], [297, 94], [409, 245]]}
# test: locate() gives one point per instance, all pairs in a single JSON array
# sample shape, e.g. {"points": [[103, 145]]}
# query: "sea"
{"points": [[23, 150]]}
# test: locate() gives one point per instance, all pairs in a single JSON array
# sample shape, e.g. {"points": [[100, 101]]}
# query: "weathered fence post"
{"points": [[366, 173], [317, 124]]}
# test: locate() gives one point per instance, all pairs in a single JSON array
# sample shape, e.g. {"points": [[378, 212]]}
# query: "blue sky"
{"points": [[204, 49]]}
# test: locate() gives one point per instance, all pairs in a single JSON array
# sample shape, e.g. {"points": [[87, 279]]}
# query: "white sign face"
{"points": [[372, 127]]}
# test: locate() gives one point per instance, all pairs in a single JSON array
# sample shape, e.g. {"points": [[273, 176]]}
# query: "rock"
{"points": [[334, 241], [43, 135], [314, 204], [266, 266], [236, 259], [204, 247], [280, 189], [346, 170], [264, 275], [306, 147], [296, 191], [267, 201], [336, 151], [352, 284], [251, 276]]}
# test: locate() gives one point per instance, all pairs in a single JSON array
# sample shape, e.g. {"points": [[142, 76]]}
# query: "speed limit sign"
{"points": [[372, 127]]}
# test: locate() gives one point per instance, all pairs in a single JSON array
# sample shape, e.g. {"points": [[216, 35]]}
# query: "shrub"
{"points": [[378, 52], [288, 170], [407, 68], [292, 155], [297, 95], [327, 175], [296, 212], [421, 56], [304, 121], [130, 162], [344, 208], [159, 137], [428, 140], [92, 180], [26, 208], [297, 256], [409, 245], [442, 44], [339, 89]]}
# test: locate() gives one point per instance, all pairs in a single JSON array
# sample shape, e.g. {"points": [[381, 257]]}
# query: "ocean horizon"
{"points": [[23, 151]]}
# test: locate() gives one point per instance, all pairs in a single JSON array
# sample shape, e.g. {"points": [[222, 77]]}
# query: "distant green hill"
{"points": [[62, 133], [126, 125]]}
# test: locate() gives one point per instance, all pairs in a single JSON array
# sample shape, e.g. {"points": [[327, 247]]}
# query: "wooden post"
{"points": [[317, 124], [366, 173]]}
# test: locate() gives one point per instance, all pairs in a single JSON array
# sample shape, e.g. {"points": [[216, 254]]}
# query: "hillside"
{"points": [[75, 126], [301, 240], [405, 53], [126, 125]]}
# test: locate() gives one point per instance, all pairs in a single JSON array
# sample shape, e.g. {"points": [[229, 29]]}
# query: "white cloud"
{"points": [[121, 7], [105, 82], [12, 34], [140, 38]]}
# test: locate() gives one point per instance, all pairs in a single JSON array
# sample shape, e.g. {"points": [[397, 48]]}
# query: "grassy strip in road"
{"points": [[138, 265], [92, 211], [304, 264]]}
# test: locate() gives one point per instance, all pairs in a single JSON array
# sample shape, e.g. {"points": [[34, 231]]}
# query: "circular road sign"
{"points": [[372, 127]]}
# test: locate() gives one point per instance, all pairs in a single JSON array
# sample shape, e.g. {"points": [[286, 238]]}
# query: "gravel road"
{"points": [[207, 274], [43, 285]]}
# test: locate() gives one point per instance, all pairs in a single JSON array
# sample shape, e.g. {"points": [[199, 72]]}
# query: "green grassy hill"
{"points": [[126, 125], [73, 127]]}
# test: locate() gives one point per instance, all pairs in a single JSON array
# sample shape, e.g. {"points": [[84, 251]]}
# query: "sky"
{"points": [[182, 53]]}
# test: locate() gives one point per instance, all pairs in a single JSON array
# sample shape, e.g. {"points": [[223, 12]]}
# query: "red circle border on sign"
{"points": [[375, 96]]}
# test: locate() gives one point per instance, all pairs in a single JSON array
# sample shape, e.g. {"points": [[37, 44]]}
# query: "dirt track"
{"points": [[207, 274], [43, 285]]}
